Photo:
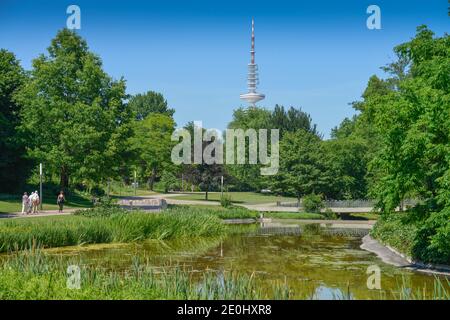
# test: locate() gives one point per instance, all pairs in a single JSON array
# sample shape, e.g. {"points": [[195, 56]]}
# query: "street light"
{"points": [[40, 185]]}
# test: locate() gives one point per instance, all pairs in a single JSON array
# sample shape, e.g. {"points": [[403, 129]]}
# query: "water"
{"points": [[315, 263]]}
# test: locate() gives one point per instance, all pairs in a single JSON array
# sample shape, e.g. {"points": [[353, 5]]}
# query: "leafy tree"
{"points": [[143, 105], [413, 123], [303, 167], [247, 176], [73, 116], [206, 176], [291, 120], [152, 145], [13, 165]]}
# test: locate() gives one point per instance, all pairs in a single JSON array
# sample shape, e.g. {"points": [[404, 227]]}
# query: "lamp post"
{"points": [[135, 177], [40, 185]]}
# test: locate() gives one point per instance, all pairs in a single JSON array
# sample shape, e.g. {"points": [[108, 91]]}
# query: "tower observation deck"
{"points": [[252, 79]]}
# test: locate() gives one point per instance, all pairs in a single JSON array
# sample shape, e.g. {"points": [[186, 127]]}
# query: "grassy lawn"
{"points": [[121, 191], [237, 197], [293, 215], [13, 203]]}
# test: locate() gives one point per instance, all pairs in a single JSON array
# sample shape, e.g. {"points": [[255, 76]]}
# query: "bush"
{"points": [[225, 200], [397, 230], [432, 242], [330, 215], [313, 203]]}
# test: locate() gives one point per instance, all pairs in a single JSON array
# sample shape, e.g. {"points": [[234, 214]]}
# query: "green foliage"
{"points": [[13, 165], [73, 114], [412, 123], [432, 242], [152, 145], [330, 214], [101, 227], [303, 167], [313, 203], [169, 181], [396, 230], [225, 200], [41, 277], [150, 102]]}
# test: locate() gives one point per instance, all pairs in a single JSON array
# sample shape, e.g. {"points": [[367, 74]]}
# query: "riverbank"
{"points": [[107, 225]]}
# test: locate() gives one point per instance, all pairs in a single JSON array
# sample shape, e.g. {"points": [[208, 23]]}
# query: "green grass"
{"points": [[33, 275], [57, 231], [293, 215], [236, 197], [13, 203]]}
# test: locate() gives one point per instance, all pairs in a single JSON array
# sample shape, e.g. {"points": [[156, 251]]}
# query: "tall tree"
{"points": [[291, 120], [152, 145], [143, 105], [413, 123], [73, 113], [13, 165], [303, 168]]}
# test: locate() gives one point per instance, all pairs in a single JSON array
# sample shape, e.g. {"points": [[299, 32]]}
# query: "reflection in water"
{"points": [[315, 264]]}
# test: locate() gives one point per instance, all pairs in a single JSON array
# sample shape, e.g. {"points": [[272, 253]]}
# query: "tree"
{"points": [[152, 145], [13, 165], [291, 120], [303, 168], [143, 105], [247, 176], [206, 176], [413, 123], [73, 114]]}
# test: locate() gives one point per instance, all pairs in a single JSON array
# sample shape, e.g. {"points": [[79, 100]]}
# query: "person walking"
{"points": [[35, 202], [30, 203], [60, 201], [25, 203]]}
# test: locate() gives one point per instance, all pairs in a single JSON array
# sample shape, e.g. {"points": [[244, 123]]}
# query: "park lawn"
{"points": [[13, 203], [293, 215], [365, 216], [236, 197], [121, 191]]}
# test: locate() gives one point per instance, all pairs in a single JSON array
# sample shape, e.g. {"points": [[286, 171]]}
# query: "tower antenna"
{"points": [[252, 79]]}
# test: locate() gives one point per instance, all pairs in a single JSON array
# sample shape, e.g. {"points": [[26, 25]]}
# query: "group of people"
{"points": [[30, 203]]}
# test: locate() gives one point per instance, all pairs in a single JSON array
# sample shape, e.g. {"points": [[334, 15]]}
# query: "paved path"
{"points": [[43, 213]]}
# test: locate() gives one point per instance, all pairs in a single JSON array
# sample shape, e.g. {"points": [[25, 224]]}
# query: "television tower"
{"points": [[252, 79]]}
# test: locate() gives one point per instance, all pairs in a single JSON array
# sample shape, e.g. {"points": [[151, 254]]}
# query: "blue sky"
{"points": [[317, 55]]}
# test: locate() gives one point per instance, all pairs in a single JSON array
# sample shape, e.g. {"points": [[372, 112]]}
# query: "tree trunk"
{"points": [[64, 179], [206, 194], [151, 179]]}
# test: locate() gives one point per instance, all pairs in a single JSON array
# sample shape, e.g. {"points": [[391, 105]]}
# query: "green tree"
{"points": [[152, 145], [206, 176], [143, 105], [73, 114], [13, 165], [303, 168], [413, 123]]}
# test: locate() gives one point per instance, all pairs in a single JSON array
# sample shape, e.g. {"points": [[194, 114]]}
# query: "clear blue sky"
{"points": [[317, 55]]}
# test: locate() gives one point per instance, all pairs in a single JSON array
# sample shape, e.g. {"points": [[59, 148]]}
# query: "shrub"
{"points": [[397, 230], [225, 200], [313, 203], [432, 242], [329, 214]]}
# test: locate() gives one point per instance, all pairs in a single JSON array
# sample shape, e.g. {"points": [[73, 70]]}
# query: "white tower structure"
{"points": [[252, 80]]}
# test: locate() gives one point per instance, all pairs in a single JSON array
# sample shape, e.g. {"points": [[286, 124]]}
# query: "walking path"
{"points": [[391, 256], [43, 213]]}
